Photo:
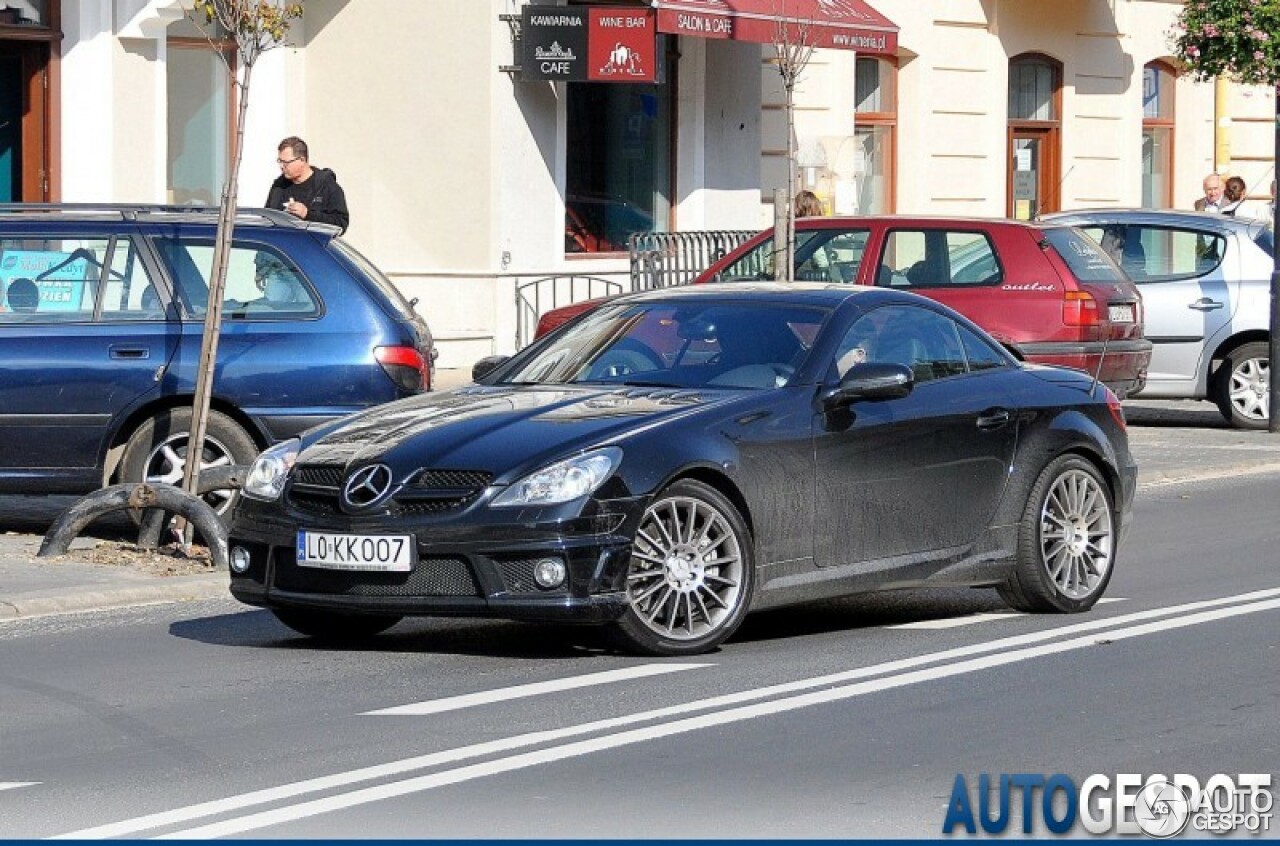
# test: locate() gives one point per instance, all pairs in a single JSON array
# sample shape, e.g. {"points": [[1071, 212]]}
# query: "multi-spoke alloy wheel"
{"points": [[1244, 386], [691, 573], [1066, 544], [1075, 534]]}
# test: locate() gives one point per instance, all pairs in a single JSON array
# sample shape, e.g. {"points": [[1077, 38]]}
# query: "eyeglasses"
{"points": [[283, 162]]}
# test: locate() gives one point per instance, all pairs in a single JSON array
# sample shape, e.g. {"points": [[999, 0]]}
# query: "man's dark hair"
{"points": [[296, 144]]}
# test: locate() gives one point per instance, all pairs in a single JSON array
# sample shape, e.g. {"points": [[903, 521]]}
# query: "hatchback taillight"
{"points": [[406, 366], [1079, 308]]}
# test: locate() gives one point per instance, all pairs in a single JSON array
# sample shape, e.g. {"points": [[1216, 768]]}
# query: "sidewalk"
{"points": [[1173, 442]]}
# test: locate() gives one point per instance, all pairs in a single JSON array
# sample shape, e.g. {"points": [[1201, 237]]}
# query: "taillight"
{"points": [[1079, 308], [406, 366], [1116, 409]]}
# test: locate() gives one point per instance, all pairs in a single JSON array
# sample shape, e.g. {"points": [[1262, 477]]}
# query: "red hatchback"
{"points": [[1046, 291]]}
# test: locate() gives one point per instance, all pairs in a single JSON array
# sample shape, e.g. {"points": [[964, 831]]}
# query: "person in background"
{"points": [[808, 205], [1212, 199], [306, 192], [1233, 197]]}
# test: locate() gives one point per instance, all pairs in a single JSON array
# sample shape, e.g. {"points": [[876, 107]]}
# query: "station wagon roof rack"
{"points": [[145, 212]]}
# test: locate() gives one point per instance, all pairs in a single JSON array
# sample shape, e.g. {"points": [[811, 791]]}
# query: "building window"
{"points": [[875, 128], [620, 151], [201, 95], [1035, 108], [1157, 135], [24, 13]]}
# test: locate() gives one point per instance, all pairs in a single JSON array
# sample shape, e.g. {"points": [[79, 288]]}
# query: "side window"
{"points": [[1163, 254], [978, 351], [261, 282], [128, 293], [972, 259], [922, 340], [904, 257], [44, 279]]}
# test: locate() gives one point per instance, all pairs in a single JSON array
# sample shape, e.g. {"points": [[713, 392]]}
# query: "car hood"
{"points": [[506, 431]]}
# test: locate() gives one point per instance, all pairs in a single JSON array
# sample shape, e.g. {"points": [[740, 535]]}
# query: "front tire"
{"points": [[1242, 387], [1066, 540], [334, 626], [692, 573]]}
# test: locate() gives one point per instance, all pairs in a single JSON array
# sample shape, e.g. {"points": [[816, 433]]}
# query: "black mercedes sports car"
{"points": [[671, 460]]}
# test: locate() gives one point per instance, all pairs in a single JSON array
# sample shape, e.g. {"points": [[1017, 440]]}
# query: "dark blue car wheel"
{"points": [[692, 573]]}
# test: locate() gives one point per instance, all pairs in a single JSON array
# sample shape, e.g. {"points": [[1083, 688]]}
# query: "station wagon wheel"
{"points": [[157, 451], [691, 575], [1066, 542], [1243, 386]]}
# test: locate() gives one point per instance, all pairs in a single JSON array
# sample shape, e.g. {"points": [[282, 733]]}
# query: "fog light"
{"points": [[549, 573], [240, 559]]}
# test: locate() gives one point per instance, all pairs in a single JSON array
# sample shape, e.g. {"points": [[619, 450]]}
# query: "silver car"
{"points": [[1205, 283]]}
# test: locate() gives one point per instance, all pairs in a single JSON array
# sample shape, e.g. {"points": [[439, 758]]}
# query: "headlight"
{"points": [[563, 481], [270, 470]]}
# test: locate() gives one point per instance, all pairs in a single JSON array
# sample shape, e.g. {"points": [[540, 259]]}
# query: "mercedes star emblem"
{"points": [[367, 486]]}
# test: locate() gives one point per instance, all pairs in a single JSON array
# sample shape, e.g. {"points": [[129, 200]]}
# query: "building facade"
{"points": [[468, 178]]}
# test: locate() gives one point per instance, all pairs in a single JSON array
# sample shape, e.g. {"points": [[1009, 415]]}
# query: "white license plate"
{"points": [[376, 553], [1120, 313]]}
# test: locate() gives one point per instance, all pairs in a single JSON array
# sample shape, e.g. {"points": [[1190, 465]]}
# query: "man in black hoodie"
{"points": [[311, 193]]}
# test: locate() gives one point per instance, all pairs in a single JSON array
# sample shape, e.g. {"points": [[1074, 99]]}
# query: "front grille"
{"points": [[471, 481], [442, 576], [321, 475], [317, 489]]}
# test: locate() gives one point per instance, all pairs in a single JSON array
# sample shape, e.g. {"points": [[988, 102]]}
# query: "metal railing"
{"points": [[663, 259], [538, 296]]}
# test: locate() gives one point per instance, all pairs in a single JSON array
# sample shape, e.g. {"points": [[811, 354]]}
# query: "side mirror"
{"points": [[873, 380], [487, 365]]}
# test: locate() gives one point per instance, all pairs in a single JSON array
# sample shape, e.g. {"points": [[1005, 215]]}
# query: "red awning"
{"points": [[843, 24]]}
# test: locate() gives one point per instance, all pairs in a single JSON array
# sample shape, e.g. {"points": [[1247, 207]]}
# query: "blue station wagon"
{"points": [[101, 320]]}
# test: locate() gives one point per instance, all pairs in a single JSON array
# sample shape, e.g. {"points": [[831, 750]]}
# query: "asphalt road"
{"points": [[842, 719]]}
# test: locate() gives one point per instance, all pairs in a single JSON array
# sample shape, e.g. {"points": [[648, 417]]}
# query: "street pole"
{"points": [[1273, 397]]}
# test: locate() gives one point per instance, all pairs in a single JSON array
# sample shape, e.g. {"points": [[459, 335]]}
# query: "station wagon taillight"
{"points": [[1079, 308], [406, 366]]}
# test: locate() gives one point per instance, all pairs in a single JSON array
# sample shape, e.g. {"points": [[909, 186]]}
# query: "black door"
{"points": [[920, 474]]}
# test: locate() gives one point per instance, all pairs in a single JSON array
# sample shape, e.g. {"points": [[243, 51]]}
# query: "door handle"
{"points": [[994, 418], [1205, 304], [130, 353]]}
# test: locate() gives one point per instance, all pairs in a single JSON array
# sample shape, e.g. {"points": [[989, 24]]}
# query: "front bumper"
{"points": [[478, 563]]}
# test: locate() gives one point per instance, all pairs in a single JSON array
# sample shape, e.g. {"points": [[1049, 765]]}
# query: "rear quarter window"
{"points": [[1084, 256]]}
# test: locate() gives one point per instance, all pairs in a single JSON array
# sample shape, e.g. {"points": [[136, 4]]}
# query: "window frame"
{"points": [[887, 120], [1165, 124], [1049, 132], [226, 48]]}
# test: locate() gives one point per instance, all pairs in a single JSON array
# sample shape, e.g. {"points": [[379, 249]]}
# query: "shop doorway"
{"points": [[24, 122], [1033, 177]]}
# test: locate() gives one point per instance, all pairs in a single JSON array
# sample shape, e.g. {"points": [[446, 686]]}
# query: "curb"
{"points": [[175, 589]]}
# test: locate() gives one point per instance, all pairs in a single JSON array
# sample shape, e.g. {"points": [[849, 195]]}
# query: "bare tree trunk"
{"points": [[213, 310]]}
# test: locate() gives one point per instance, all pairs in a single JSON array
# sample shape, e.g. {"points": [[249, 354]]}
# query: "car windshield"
{"points": [[690, 344], [822, 255]]}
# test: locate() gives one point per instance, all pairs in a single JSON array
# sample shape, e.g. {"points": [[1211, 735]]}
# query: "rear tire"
{"points": [[1242, 387], [1066, 540], [334, 626], [157, 452]]}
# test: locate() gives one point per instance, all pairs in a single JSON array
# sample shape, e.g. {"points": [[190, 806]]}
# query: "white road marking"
{"points": [[13, 785], [451, 703], [451, 756], [524, 760]]}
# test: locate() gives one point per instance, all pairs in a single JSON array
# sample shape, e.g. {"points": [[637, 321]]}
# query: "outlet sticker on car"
{"points": [[376, 553]]}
